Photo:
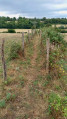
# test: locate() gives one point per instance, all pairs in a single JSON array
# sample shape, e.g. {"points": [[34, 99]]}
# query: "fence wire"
{"points": [[11, 38]]}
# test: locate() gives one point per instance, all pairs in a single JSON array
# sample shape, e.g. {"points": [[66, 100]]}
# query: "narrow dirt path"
{"points": [[33, 62], [32, 71], [37, 106]]}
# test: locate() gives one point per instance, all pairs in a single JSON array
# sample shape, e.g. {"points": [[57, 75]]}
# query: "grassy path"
{"points": [[30, 102], [32, 71]]}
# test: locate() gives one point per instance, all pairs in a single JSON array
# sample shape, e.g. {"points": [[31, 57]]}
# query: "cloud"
{"points": [[55, 6], [35, 8], [61, 12], [5, 13]]}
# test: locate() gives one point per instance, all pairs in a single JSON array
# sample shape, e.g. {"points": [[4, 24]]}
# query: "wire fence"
{"points": [[21, 39]]}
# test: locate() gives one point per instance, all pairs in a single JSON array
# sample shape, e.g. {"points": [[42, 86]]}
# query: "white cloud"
{"points": [[55, 6], [61, 12], [8, 14], [5, 13]]}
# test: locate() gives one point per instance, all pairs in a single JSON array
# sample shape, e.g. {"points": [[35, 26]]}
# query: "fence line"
{"points": [[47, 56], [23, 43], [3, 61], [2, 52], [28, 36]]}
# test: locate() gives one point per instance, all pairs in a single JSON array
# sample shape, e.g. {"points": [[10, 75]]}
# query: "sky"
{"points": [[34, 8]]}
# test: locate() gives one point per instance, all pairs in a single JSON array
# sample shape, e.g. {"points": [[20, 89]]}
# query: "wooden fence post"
{"points": [[40, 34], [47, 57], [28, 36], [3, 61], [32, 33], [23, 43]]}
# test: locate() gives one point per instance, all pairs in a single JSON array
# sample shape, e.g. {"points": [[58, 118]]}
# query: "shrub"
{"points": [[61, 27], [11, 31], [53, 34], [14, 51], [55, 101], [57, 105], [63, 31]]}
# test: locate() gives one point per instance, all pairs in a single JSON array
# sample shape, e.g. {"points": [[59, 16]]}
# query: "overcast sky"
{"points": [[33, 8]]}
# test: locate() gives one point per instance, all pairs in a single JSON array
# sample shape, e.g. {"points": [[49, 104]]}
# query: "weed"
{"points": [[55, 101], [48, 77], [45, 83], [26, 116], [8, 81], [14, 50], [2, 103], [35, 83], [58, 87], [58, 104], [40, 77], [13, 97], [8, 96], [22, 81]]}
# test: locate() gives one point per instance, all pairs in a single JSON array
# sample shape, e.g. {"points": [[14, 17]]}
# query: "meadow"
{"points": [[17, 30]]}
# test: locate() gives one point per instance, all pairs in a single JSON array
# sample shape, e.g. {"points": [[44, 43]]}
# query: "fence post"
{"points": [[23, 43], [32, 33], [3, 61], [47, 57], [28, 36], [41, 36], [39, 32]]}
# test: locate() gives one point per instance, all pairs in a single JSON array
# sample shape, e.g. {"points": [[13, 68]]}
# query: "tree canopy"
{"points": [[28, 23]]}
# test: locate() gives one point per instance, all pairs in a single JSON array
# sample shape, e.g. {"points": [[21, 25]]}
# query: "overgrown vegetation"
{"points": [[15, 50], [57, 69], [57, 106]]}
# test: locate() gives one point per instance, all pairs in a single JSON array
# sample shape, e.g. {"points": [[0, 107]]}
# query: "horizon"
{"points": [[36, 17]]}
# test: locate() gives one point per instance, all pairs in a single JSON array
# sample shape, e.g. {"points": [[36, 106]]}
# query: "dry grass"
{"points": [[9, 36], [18, 36], [17, 30], [23, 30], [58, 25], [65, 36]]}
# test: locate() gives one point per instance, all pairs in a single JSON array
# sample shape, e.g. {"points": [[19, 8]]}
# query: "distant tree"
{"points": [[28, 23]]}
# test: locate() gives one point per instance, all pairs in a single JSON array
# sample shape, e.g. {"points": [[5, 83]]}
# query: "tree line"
{"points": [[28, 23]]}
